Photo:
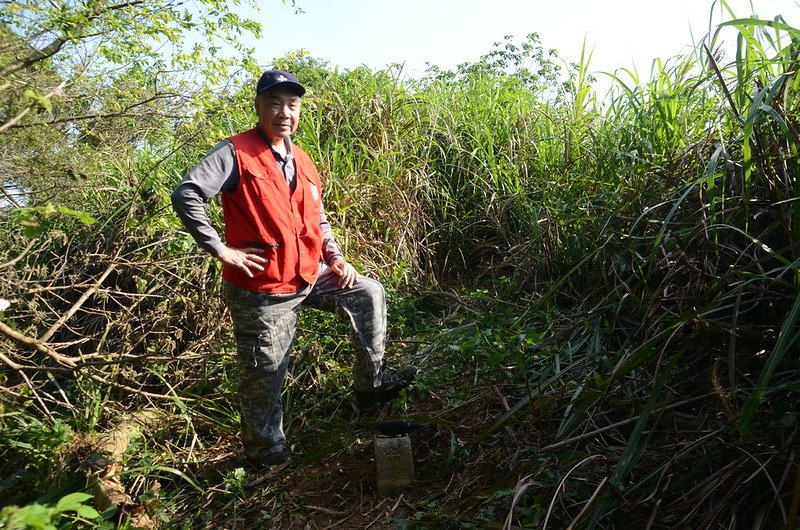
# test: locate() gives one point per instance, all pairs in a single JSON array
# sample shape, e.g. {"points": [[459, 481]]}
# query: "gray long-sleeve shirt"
{"points": [[219, 171]]}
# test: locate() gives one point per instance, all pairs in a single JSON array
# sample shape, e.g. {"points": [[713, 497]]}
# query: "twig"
{"points": [[38, 345], [589, 503], [11, 392], [326, 511], [8, 197], [339, 522], [382, 514], [67, 361], [21, 255], [11, 364], [77, 305], [561, 485], [502, 398], [36, 395], [13, 121], [396, 504], [137, 391], [613, 426], [265, 477]]}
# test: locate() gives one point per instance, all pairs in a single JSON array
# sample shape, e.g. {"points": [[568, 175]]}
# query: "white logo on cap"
{"points": [[282, 78]]}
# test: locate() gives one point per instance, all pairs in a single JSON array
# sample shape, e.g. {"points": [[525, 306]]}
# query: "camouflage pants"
{"points": [[265, 324]]}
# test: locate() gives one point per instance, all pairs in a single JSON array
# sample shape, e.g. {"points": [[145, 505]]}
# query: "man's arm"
{"points": [[190, 199], [217, 171], [333, 255], [331, 252]]}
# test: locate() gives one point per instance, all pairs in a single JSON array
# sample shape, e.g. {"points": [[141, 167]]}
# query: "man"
{"points": [[279, 254]]}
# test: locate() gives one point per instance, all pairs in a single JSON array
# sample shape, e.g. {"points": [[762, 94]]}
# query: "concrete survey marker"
{"points": [[394, 462]]}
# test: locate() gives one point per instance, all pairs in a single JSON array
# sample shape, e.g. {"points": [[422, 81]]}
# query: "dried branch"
{"points": [[77, 305], [38, 345], [21, 255]]}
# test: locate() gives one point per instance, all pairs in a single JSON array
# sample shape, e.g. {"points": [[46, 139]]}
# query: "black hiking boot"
{"points": [[392, 382], [274, 458]]}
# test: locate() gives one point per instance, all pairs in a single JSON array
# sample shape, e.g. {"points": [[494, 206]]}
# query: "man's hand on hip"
{"points": [[246, 259], [346, 272]]}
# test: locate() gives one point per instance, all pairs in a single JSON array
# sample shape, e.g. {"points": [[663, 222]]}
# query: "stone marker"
{"points": [[394, 462]]}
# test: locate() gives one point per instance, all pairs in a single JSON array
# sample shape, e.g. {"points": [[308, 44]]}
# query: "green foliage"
{"points": [[37, 220], [35, 446], [70, 512], [105, 80], [235, 481]]}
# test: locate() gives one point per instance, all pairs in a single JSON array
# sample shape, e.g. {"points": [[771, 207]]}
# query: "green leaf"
{"points": [[88, 512], [36, 516], [83, 217], [38, 99], [72, 502]]}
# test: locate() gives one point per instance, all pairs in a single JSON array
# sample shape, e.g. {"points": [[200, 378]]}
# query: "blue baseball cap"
{"points": [[279, 78]]}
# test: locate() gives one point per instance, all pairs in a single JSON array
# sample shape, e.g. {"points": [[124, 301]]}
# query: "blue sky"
{"points": [[377, 33]]}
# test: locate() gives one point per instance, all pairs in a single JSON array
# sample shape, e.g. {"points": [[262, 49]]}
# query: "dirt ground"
{"points": [[332, 483]]}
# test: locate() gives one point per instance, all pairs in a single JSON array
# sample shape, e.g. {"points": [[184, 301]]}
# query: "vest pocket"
{"points": [[273, 252], [258, 244]]}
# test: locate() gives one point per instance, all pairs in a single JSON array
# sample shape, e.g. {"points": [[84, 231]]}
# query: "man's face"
{"points": [[278, 113]]}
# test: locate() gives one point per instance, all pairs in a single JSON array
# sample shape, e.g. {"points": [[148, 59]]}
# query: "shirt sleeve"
{"points": [[217, 171], [330, 250]]}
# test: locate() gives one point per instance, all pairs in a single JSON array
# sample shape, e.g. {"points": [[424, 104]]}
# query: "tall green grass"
{"points": [[658, 227]]}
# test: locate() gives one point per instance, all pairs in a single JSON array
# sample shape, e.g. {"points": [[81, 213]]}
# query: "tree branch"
{"points": [[9, 198], [58, 42], [13, 121], [124, 113], [77, 305], [21, 255], [38, 345], [36, 56]]}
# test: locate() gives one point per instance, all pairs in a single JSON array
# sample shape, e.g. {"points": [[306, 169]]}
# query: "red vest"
{"points": [[263, 213]]}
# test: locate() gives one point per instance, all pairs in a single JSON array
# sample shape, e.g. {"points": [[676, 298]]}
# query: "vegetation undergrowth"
{"points": [[601, 294]]}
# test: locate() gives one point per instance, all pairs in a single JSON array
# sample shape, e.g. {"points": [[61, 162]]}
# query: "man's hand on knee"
{"points": [[346, 272]]}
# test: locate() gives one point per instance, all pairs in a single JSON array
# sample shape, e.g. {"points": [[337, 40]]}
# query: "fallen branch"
{"points": [[64, 360], [38, 345], [27, 249], [77, 305], [107, 488]]}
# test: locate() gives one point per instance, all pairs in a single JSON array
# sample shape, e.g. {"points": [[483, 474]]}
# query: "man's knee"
{"points": [[372, 289]]}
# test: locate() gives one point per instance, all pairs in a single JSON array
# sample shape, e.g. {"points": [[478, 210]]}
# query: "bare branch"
{"points": [[7, 196], [37, 345], [21, 255], [77, 305]]}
